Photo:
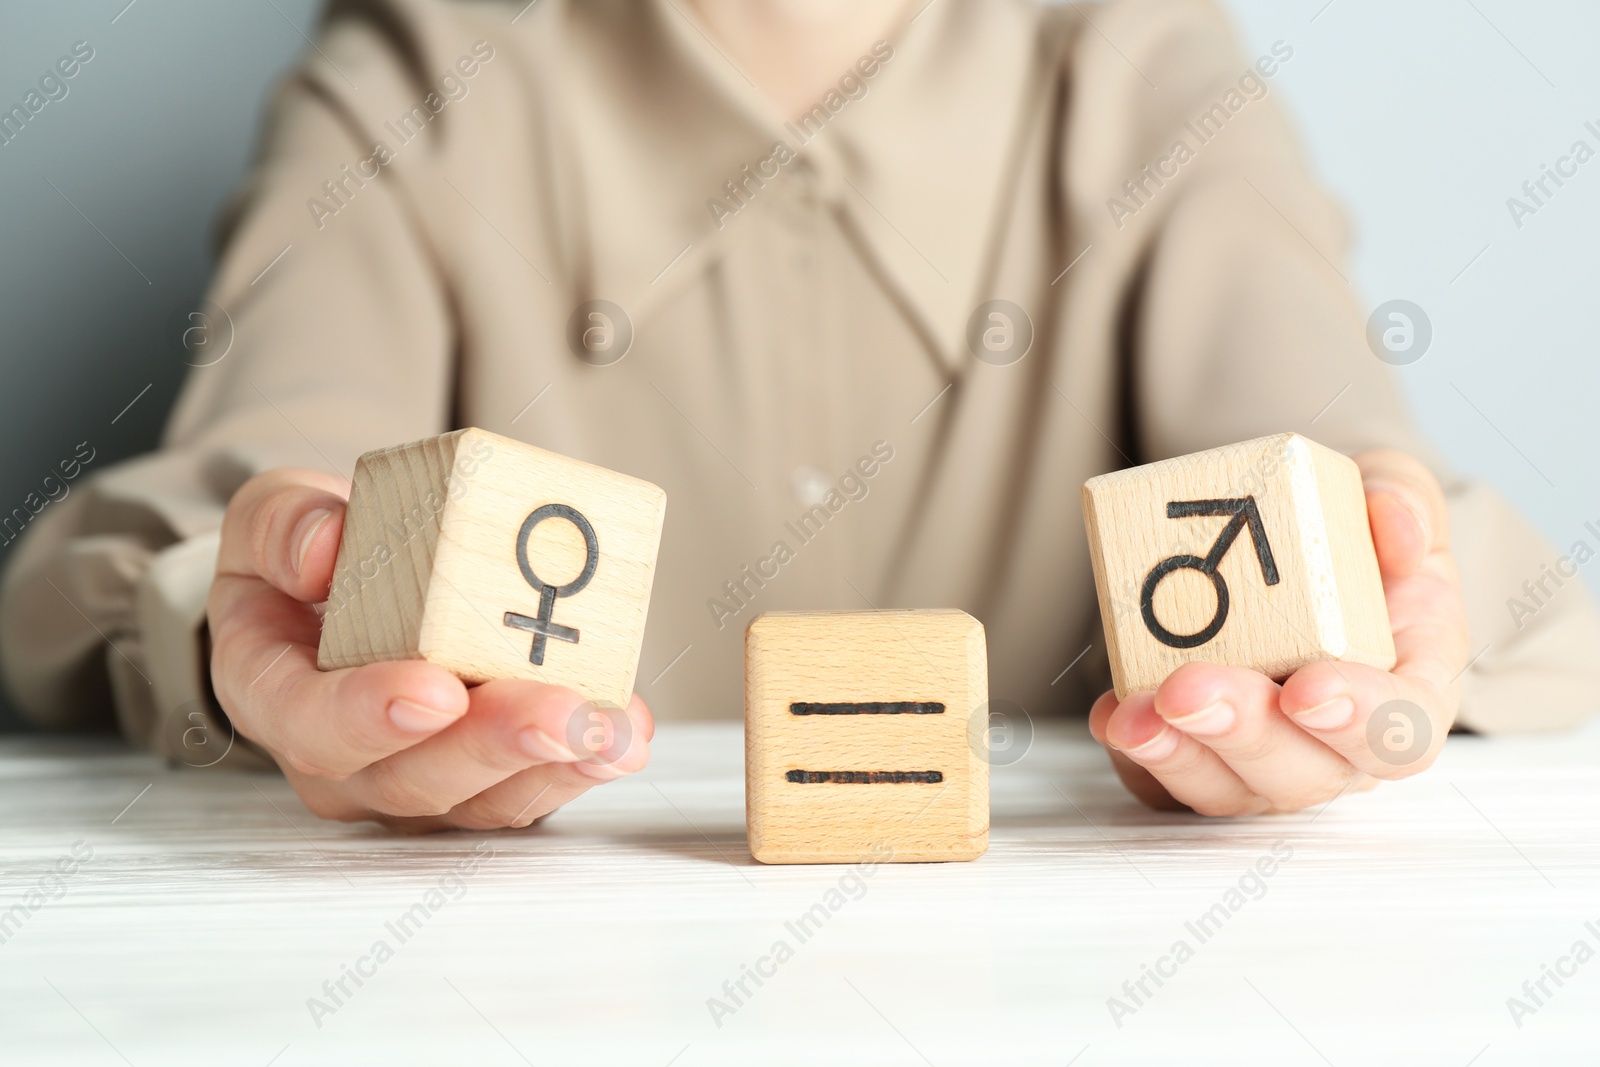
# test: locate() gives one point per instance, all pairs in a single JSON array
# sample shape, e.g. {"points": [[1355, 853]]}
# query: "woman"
{"points": [[742, 249]]}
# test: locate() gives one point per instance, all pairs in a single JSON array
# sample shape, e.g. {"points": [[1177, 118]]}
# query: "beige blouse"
{"points": [[1017, 246]]}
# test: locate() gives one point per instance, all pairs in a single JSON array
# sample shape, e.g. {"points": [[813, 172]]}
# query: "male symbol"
{"points": [[1243, 510], [541, 627]]}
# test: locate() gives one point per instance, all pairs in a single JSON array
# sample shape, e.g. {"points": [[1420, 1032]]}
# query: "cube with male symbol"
{"points": [[1253, 555]]}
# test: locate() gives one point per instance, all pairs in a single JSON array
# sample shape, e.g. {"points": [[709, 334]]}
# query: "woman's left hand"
{"points": [[1228, 741]]}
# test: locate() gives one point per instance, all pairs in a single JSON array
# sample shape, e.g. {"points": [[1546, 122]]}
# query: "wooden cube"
{"points": [[495, 559], [862, 738], [1253, 555]]}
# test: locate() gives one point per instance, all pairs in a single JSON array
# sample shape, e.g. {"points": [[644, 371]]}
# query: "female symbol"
{"points": [[541, 627]]}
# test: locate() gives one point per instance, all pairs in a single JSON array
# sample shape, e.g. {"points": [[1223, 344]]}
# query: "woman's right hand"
{"points": [[404, 742]]}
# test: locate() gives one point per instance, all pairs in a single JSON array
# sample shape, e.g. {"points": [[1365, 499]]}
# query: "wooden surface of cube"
{"points": [[1253, 555], [866, 736], [495, 559]]}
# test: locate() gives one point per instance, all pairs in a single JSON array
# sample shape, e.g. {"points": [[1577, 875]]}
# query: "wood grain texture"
{"points": [[1318, 596], [846, 757], [215, 906], [448, 594], [398, 497]]}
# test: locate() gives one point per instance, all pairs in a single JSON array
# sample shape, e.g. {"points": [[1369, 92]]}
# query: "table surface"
{"points": [[212, 908]]}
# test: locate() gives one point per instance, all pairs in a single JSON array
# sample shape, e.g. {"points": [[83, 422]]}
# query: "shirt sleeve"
{"points": [[329, 335], [1244, 322]]}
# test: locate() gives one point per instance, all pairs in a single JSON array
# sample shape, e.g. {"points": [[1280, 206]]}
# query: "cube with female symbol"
{"points": [[495, 559]]}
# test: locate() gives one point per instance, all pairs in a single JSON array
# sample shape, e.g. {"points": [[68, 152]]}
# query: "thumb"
{"points": [[284, 526], [1405, 508]]}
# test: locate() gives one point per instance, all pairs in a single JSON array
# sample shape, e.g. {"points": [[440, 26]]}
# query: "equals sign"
{"points": [[867, 707]]}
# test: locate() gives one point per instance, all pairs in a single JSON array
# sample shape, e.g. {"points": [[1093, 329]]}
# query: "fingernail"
{"points": [[304, 531], [541, 746], [1404, 499], [1208, 721], [1158, 747], [604, 772], [1327, 716], [416, 718]]}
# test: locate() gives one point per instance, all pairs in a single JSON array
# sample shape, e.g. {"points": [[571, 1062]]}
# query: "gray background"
{"points": [[1424, 117]]}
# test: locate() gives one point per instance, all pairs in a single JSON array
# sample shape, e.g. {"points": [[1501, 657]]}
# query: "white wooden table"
{"points": [[215, 907]]}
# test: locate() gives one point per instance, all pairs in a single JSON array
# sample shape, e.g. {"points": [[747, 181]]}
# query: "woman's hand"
{"points": [[404, 742], [1227, 741]]}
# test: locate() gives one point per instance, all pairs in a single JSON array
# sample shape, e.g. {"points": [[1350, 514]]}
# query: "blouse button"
{"points": [[810, 485]]}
